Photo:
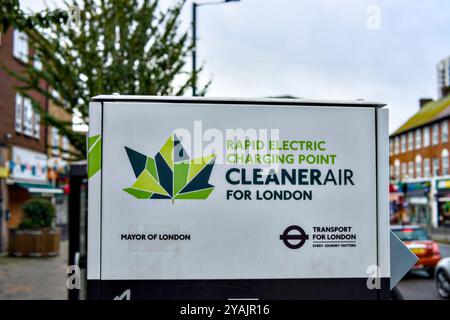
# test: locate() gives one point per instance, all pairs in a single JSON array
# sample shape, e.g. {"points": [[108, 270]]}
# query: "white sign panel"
{"points": [[189, 191]]}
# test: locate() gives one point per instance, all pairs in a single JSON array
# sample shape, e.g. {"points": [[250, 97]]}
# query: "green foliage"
{"points": [[38, 213], [124, 46]]}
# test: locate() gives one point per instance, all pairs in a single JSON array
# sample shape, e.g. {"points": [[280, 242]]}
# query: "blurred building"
{"points": [[419, 164], [24, 157], [60, 153], [443, 76]]}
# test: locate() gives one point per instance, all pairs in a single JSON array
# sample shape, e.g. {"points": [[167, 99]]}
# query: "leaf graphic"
{"points": [[171, 174], [94, 155]]}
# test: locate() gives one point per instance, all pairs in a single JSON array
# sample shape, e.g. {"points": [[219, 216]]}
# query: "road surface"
{"points": [[418, 286]]}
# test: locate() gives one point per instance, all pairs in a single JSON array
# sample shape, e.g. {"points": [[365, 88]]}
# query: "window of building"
{"points": [[37, 63], [435, 167], [55, 94], [403, 141], [426, 137], [37, 125], [27, 117], [65, 147], [397, 169], [418, 139], [55, 141], [444, 158], [20, 45], [396, 145], [426, 168], [410, 141], [19, 112], [404, 170], [411, 169], [27, 121], [444, 131], [418, 166], [435, 134]]}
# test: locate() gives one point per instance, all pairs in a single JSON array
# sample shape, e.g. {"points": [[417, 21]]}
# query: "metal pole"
{"points": [[194, 39], [194, 49]]}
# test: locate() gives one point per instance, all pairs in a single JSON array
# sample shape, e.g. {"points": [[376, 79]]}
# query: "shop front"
{"points": [[418, 203], [27, 179], [443, 202], [59, 178], [396, 203]]}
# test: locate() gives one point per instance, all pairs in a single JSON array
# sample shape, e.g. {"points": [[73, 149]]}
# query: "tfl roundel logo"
{"points": [[294, 237]]}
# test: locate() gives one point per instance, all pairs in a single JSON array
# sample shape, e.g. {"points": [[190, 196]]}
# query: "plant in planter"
{"points": [[35, 235], [38, 214]]}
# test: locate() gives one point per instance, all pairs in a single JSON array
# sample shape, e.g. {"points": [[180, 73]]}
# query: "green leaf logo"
{"points": [[94, 155], [171, 174]]}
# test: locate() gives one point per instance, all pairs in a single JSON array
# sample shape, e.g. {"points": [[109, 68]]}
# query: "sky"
{"points": [[384, 51]]}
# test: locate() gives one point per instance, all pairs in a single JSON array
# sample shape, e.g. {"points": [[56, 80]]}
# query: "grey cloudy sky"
{"points": [[322, 49]]}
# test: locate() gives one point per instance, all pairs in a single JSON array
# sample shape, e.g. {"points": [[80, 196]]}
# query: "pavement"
{"points": [[418, 286], [34, 278]]}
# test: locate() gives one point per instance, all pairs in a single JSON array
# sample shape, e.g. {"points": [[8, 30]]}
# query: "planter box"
{"points": [[34, 243]]}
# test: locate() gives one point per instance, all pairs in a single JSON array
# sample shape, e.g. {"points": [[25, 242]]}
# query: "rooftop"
{"points": [[430, 112]]}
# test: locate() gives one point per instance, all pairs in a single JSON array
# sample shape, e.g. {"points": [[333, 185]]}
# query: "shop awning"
{"points": [[39, 188], [444, 197], [418, 200]]}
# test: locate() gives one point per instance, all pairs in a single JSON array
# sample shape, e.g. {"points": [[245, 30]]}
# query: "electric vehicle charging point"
{"points": [[202, 198]]}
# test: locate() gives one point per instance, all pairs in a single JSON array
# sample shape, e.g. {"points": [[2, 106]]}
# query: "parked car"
{"points": [[420, 243], [443, 278]]}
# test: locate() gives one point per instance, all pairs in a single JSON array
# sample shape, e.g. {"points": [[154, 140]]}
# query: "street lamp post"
{"points": [[195, 5]]}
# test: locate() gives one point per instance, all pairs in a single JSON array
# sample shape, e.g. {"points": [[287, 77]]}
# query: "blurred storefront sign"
{"points": [[421, 187], [4, 172], [443, 184], [27, 165]]}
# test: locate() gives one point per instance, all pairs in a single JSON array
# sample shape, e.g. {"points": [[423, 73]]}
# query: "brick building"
{"points": [[419, 163], [24, 140], [18, 120]]}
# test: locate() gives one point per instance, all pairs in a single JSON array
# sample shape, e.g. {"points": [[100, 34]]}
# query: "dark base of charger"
{"points": [[264, 289]]}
